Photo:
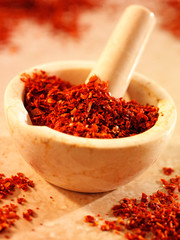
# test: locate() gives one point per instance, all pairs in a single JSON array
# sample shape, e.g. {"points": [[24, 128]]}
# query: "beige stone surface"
{"points": [[62, 216]]}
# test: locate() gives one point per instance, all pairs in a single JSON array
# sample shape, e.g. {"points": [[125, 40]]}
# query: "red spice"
{"points": [[173, 186], [168, 171], [22, 182], [7, 216], [90, 219], [110, 225], [144, 198], [28, 214], [60, 15], [87, 110], [155, 217], [8, 212], [7, 185], [21, 200]]}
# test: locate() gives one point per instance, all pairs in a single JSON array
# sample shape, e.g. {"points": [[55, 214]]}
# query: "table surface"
{"points": [[60, 214]]}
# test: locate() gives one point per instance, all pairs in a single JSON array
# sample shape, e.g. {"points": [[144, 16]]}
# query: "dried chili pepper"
{"points": [[8, 185], [28, 214], [155, 217], [91, 220], [7, 216], [168, 171], [21, 200], [8, 212], [87, 110]]}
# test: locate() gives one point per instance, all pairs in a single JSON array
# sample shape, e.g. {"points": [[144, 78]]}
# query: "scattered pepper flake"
{"points": [[7, 216], [155, 217], [172, 186], [21, 200], [91, 220], [7, 185], [168, 171], [8, 212], [28, 214]]}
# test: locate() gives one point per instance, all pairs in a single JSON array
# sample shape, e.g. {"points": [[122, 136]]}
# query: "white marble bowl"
{"points": [[81, 164]]}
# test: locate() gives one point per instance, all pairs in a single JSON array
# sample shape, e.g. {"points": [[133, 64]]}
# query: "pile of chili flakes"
{"points": [[8, 212], [155, 217], [87, 110]]}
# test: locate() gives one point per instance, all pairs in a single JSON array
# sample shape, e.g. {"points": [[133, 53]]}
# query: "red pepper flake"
{"points": [[7, 185], [8, 212], [155, 217], [104, 228], [22, 182], [173, 186], [7, 216], [144, 198], [87, 110], [28, 214], [21, 200], [168, 171], [52, 198], [111, 225], [91, 220]]}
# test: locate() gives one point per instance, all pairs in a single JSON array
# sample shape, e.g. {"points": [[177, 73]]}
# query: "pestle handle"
{"points": [[120, 56]]}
